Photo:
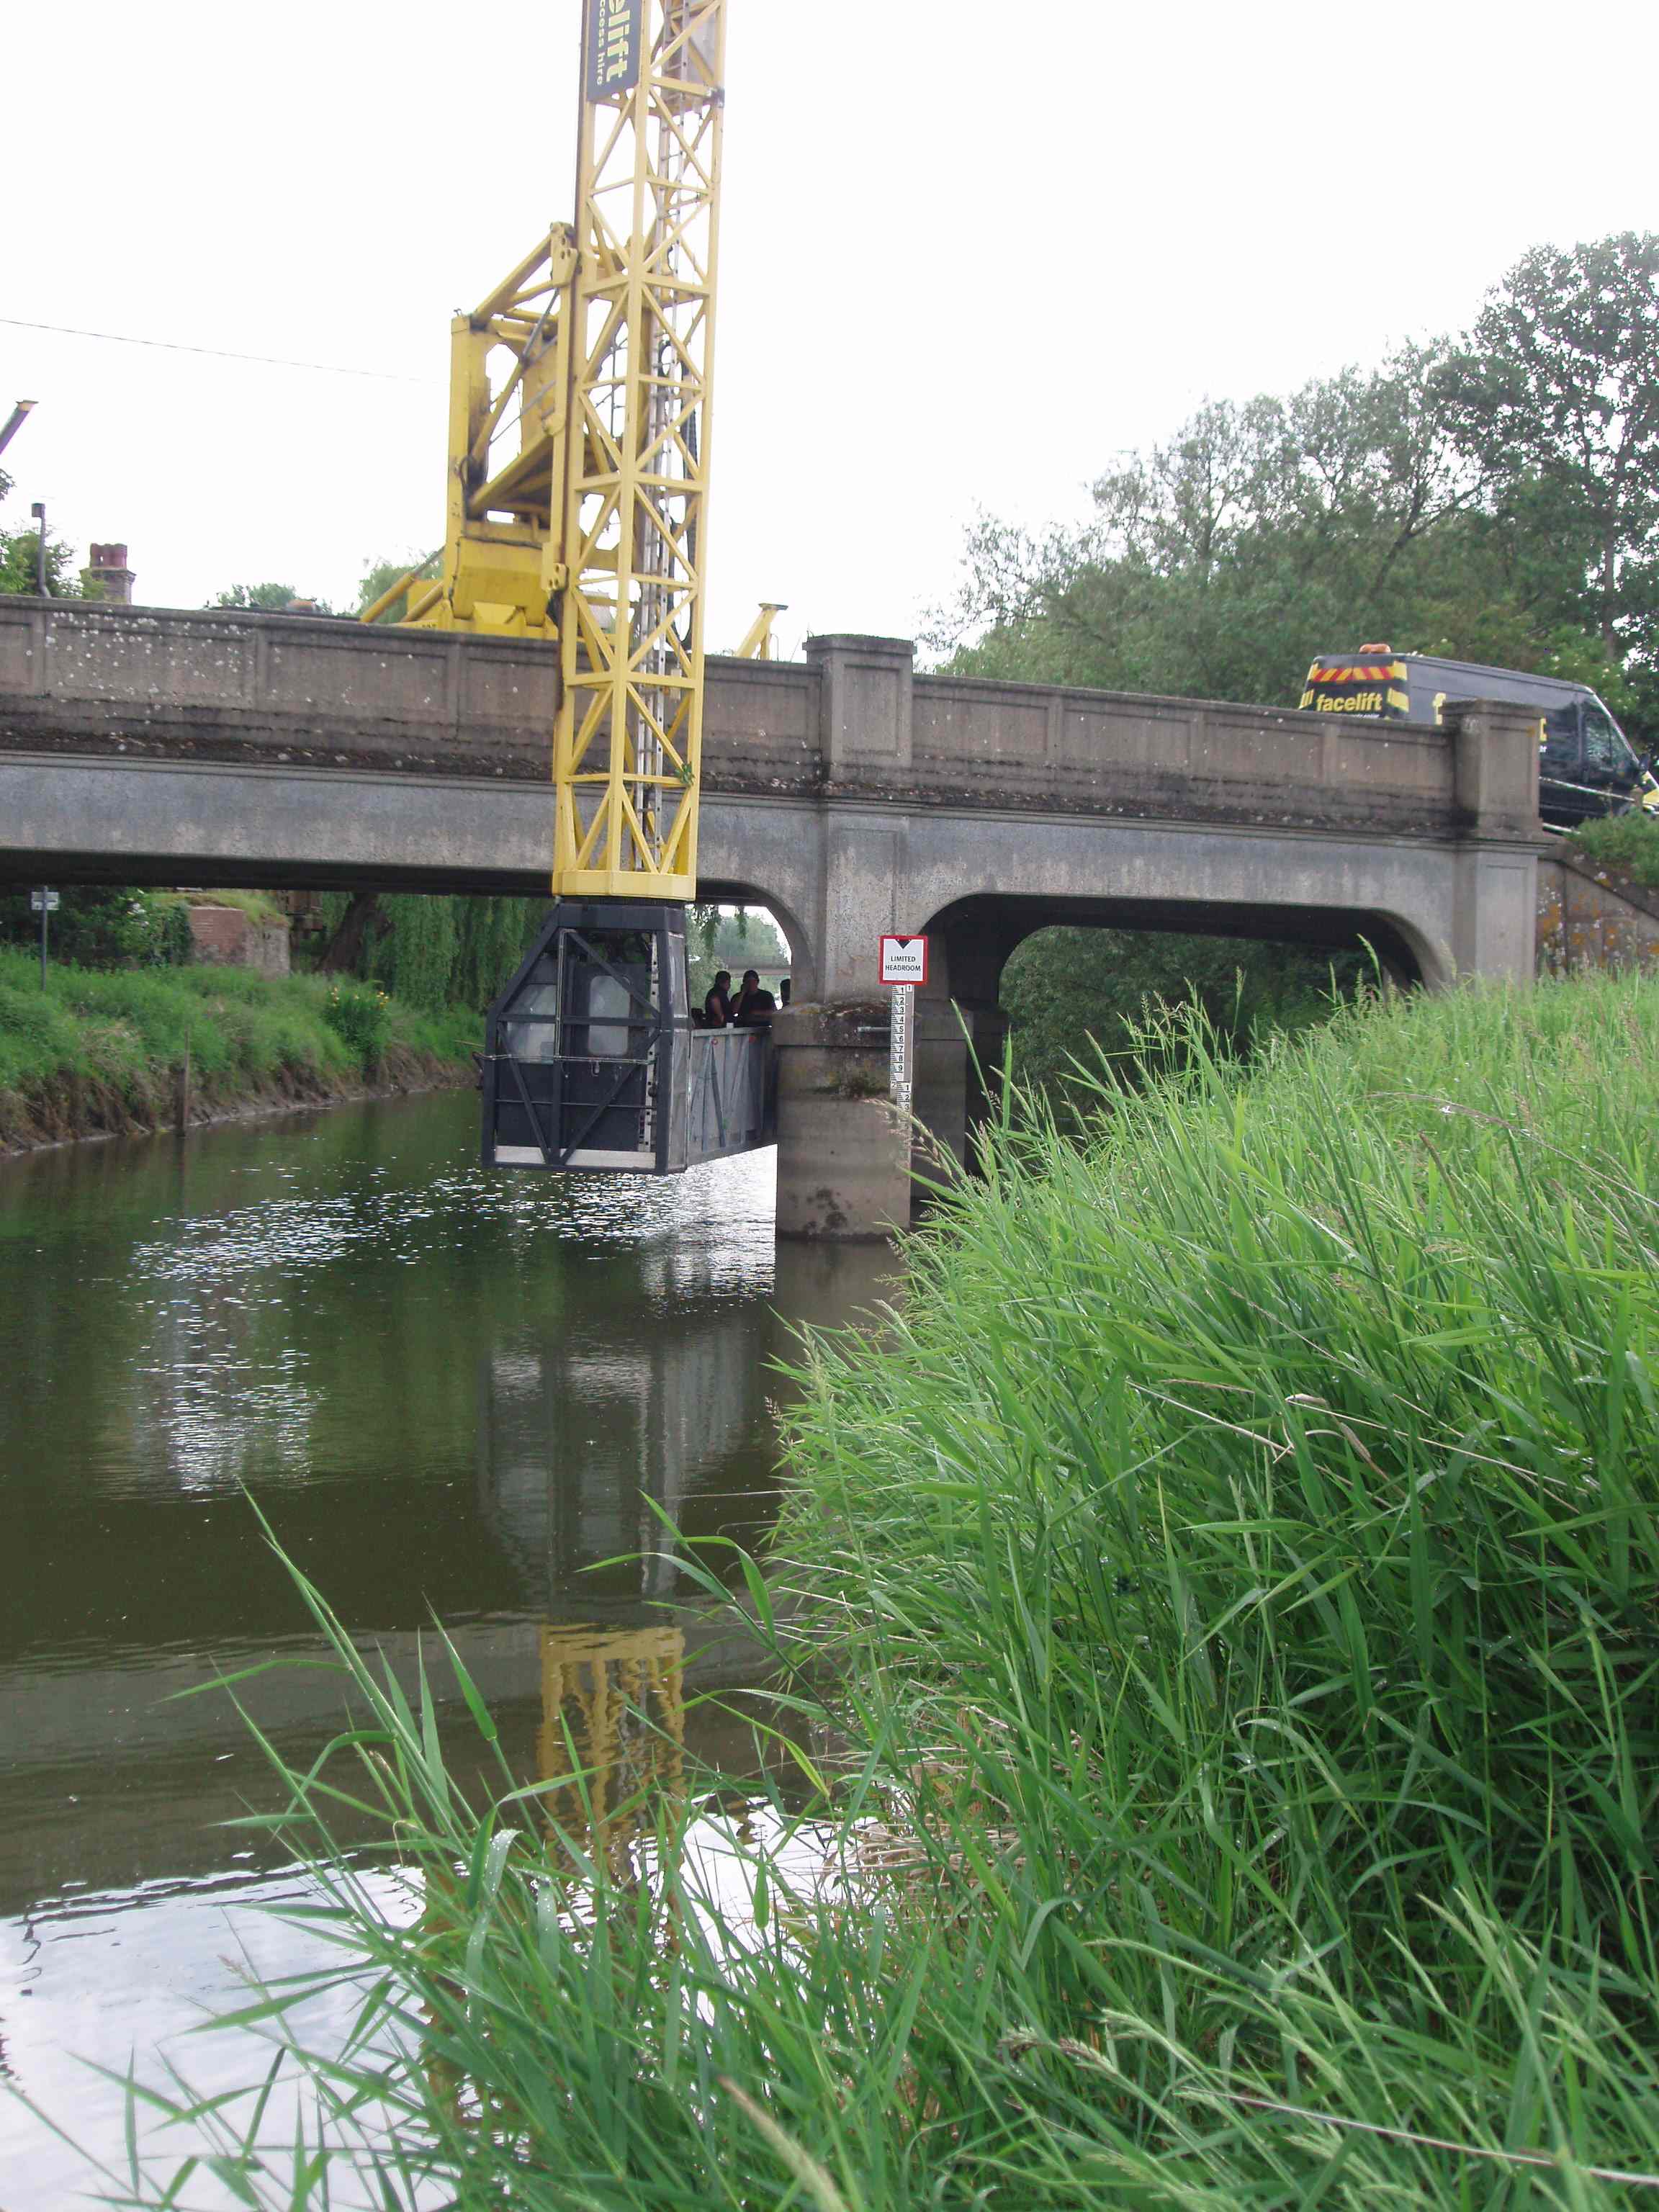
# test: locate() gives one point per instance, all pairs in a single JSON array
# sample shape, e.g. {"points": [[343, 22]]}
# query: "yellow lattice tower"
{"points": [[592, 528], [628, 747]]}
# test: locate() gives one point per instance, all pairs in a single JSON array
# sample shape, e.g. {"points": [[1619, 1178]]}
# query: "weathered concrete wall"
{"points": [[843, 1154], [1589, 917], [838, 872], [225, 685]]}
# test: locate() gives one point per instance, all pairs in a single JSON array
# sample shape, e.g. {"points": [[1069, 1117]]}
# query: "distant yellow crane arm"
{"points": [[759, 643]]}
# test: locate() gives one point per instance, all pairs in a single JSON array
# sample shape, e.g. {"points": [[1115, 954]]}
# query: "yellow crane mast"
{"points": [[628, 748], [578, 478]]}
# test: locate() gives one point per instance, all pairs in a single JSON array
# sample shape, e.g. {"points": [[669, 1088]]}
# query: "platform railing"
{"points": [[733, 1092]]}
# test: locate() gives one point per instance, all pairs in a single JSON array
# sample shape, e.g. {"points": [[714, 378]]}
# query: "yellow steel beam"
{"points": [[758, 643], [508, 391]]}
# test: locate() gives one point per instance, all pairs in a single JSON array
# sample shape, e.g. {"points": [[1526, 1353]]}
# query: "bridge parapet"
{"points": [[965, 740], [225, 684], [854, 721]]}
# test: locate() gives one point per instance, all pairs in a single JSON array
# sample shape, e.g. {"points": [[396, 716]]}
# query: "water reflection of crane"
{"points": [[578, 1443], [611, 1745], [611, 1753]]}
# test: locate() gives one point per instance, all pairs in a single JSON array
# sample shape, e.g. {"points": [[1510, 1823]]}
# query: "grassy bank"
{"points": [[103, 1051], [1239, 1567], [1254, 1532]]}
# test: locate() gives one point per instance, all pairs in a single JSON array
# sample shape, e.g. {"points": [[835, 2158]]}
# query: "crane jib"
{"points": [[614, 39]]}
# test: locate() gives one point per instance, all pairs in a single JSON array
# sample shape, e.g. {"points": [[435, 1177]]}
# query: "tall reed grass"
{"points": [[1239, 1565]]}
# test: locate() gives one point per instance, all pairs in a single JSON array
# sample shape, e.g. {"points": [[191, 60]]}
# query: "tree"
{"points": [[380, 579], [98, 925], [1559, 383], [433, 951], [1263, 532], [1070, 991], [269, 599], [20, 570], [1497, 501]]}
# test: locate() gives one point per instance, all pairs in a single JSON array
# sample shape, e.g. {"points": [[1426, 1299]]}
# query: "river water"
{"points": [[452, 1394]]}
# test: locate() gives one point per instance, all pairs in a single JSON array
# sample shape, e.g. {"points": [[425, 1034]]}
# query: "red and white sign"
{"points": [[904, 960]]}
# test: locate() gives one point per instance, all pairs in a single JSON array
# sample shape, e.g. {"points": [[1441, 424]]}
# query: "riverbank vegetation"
{"points": [[430, 951], [116, 1051], [438, 951], [1627, 843], [1226, 1674], [103, 926], [1073, 994]]}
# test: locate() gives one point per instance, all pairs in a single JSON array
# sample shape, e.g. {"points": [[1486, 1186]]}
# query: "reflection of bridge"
{"points": [[569, 1443], [658, 1421]]}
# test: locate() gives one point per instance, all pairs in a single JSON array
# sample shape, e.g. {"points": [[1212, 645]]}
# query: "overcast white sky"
{"points": [[971, 251]]}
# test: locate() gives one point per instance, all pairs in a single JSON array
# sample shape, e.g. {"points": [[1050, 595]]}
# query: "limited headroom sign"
{"points": [[903, 960], [615, 41]]}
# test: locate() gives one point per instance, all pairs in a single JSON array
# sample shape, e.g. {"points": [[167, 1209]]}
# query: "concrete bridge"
{"points": [[849, 795]]}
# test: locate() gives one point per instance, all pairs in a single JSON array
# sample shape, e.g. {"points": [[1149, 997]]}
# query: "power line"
{"points": [[218, 352]]}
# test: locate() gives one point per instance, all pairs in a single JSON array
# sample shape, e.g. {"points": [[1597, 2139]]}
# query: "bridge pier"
{"points": [[848, 1168], [843, 1154], [960, 1046]]}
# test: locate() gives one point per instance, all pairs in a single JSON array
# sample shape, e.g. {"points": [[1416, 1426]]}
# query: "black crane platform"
{"points": [[591, 1064]]}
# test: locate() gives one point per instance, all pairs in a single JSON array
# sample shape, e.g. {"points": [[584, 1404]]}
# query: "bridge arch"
{"points": [[974, 935], [972, 938], [724, 890]]}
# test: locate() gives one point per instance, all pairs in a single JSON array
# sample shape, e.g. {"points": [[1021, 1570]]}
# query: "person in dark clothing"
{"points": [[753, 1004], [717, 1006]]}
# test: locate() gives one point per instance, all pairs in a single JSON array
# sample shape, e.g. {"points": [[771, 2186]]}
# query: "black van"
{"points": [[1588, 766]]}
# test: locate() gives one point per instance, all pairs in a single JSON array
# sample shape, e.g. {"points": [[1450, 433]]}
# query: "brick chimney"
{"points": [[109, 567]]}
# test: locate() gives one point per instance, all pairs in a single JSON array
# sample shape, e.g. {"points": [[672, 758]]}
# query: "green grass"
{"points": [[109, 1041], [257, 906], [1235, 1570], [1275, 1480], [1628, 842]]}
